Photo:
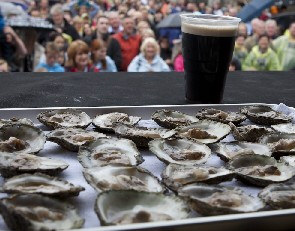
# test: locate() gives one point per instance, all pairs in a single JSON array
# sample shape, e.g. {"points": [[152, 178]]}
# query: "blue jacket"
{"points": [[111, 66], [55, 68]]}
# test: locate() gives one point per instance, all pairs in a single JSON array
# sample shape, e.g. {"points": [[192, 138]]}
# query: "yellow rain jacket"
{"points": [[285, 48]]}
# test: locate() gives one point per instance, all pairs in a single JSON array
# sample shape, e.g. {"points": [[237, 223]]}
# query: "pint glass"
{"points": [[207, 45]]}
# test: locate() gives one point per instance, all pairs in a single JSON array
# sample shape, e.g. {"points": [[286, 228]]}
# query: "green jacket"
{"points": [[285, 48], [256, 60]]}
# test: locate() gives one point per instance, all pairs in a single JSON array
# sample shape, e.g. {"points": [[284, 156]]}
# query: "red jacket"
{"points": [[129, 48]]}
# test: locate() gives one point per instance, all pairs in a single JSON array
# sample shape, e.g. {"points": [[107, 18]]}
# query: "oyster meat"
{"points": [[21, 138], [125, 207], [32, 212], [221, 116], [11, 165], [279, 196], [141, 136], [249, 133], [180, 151], [284, 128], [264, 115], [205, 131], [40, 184], [16, 121], [72, 138], [289, 160], [218, 200], [64, 118], [106, 122], [226, 151], [260, 170], [106, 151], [176, 176], [281, 144], [171, 119], [122, 178]]}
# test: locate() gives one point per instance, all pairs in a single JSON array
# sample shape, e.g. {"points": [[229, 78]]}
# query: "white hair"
{"points": [[147, 41], [56, 9], [270, 22]]}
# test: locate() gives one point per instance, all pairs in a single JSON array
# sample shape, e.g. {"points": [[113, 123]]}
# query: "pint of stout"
{"points": [[207, 45]]}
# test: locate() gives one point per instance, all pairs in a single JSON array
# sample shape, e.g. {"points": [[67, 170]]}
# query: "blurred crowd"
{"points": [[124, 35]]}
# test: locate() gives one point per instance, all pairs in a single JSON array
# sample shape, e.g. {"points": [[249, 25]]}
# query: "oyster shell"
{"points": [[221, 116], [289, 160], [217, 200], [176, 176], [72, 138], [205, 131], [279, 196], [105, 122], [281, 144], [249, 133], [21, 138], [125, 207], [16, 121], [180, 151], [40, 184], [141, 136], [264, 115], [11, 165], [32, 212], [171, 119], [226, 151], [122, 178], [105, 151], [284, 128], [66, 118], [260, 170]]}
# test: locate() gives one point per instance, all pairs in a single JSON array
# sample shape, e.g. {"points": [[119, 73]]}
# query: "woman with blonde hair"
{"points": [[78, 58], [149, 59], [99, 56]]}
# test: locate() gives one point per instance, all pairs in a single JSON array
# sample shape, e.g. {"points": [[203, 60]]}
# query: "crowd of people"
{"points": [[122, 35]]}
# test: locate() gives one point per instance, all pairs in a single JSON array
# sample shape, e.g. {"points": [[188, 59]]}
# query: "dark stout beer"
{"points": [[207, 52]]}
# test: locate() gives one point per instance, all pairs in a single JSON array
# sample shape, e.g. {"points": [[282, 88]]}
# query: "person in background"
{"points": [[258, 30], [78, 25], [99, 57], [51, 64], [165, 51], [149, 33], [129, 42], [243, 30], [240, 51], [217, 8], [61, 57], [285, 48], [271, 29], [262, 57], [149, 59], [44, 8], [235, 64], [3, 66], [177, 56], [115, 23], [78, 58]]}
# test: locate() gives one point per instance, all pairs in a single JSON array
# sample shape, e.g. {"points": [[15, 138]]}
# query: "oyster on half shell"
{"points": [[72, 138], [180, 151], [125, 207], [32, 212], [218, 200], [284, 128], [64, 118], [40, 184], [106, 122], [122, 178], [171, 119], [16, 121]]}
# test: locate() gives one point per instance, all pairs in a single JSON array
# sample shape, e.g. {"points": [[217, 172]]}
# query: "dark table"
{"points": [[110, 89]]}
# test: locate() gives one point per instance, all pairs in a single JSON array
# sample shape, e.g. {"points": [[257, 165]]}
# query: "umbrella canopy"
{"points": [[22, 3], [171, 21], [29, 22], [254, 9]]}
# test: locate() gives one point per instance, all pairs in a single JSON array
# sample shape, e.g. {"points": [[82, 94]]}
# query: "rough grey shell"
{"points": [[284, 128], [264, 115], [64, 118], [218, 200], [171, 119], [249, 133], [72, 138], [32, 212], [226, 151], [204, 131], [260, 170], [11, 165], [141, 136], [180, 151], [221, 116], [122, 178], [176, 176], [21, 138], [106, 151], [106, 122], [40, 184], [16, 121], [279, 196], [126, 207], [289, 160]]}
